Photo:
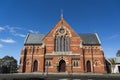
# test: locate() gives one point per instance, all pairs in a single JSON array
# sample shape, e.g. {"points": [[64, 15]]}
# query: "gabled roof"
{"points": [[37, 38], [90, 38], [34, 38]]}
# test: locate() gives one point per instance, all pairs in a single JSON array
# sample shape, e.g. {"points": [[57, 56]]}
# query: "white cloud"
{"points": [[1, 28], [7, 40], [114, 36], [12, 29], [9, 28], [1, 45], [31, 31], [20, 35]]}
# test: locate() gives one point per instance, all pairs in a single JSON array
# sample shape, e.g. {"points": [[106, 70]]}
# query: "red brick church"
{"points": [[62, 50]]}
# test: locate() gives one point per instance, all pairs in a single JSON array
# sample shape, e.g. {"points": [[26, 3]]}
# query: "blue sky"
{"points": [[18, 17]]}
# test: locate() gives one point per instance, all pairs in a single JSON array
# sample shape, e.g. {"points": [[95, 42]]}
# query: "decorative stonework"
{"points": [[49, 39], [97, 63], [28, 62], [62, 54], [57, 32], [49, 48], [62, 58], [74, 40], [74, 48]]}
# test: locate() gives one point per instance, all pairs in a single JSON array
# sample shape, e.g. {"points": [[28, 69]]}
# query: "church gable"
{"points": [[61, 38], [57, 28]]}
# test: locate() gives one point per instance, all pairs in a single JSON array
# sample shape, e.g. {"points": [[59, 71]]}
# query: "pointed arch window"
{"points": [[35, 66], [67, 43], [62, 40], [88, 65]]}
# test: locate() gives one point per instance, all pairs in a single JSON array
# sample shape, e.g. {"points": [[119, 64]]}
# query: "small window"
{"points": [[48, 63], [75, 63]]}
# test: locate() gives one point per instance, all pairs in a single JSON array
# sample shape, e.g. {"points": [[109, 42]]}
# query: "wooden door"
{"points": [[62, 66]]}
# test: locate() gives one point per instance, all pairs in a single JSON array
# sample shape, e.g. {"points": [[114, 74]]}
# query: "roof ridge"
{"points": [[35, 33], [97, 37], [26, 37]]}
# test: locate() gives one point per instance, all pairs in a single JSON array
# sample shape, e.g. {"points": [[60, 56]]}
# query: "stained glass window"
{"points": [[61, 44], [61, 41]]}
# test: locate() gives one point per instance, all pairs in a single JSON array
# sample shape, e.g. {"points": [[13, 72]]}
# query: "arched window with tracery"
{"points": [[61, 40]]}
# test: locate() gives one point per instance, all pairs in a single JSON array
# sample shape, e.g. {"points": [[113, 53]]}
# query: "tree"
{"points": [[113, 63], [118, 53], [8, 64], [0, 65]]}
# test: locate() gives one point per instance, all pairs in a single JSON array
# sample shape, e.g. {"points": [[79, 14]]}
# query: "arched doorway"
{"points": [[88, 64], [62, 66], [35, 66]]}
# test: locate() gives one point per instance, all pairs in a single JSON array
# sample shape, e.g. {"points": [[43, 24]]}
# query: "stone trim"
{"points": [[62, 54]]}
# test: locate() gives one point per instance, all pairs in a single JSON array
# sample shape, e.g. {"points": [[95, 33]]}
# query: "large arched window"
{"points": [[61, 44], [62, 40]]}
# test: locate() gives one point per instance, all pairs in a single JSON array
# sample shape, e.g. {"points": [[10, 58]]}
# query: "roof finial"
{"points": [[61, 13]]}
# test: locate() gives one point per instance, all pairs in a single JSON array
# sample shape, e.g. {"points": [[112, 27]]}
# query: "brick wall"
{"points": [[45, 51]]}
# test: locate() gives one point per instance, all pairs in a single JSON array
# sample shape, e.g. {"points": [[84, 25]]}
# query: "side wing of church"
{"points": [[62, 50]]}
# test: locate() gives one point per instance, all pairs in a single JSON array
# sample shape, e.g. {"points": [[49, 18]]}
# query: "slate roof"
{"points": [[37, 38], [34, 38], [90, 38]]}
